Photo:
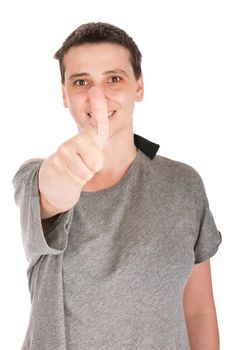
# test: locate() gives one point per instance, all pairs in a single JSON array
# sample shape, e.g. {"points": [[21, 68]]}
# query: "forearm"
{"points": [[203, 332]]}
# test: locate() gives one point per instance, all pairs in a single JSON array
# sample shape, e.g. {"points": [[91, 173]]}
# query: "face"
{"points": [[107, 66]]}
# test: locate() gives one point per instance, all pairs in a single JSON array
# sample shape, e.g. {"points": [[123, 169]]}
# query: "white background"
{"points": [[186, 47]]}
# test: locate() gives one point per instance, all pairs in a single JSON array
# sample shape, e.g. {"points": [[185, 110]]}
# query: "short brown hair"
{"points": [[100, 33]]}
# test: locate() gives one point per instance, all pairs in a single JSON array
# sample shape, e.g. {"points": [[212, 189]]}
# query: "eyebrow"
{"points": [[83, 74]]}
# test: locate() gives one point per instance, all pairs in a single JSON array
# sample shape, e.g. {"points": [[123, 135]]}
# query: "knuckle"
{"points": [[52, 163], [99, 162], [88, 175], [81, 176], [62, 150], [81, 182], [79, 139]]}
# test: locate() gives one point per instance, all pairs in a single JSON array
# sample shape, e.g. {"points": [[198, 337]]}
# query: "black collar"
{"points": [[146, 146]]}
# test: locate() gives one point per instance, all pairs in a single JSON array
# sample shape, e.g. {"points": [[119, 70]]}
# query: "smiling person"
{"points": [[118, 238]]}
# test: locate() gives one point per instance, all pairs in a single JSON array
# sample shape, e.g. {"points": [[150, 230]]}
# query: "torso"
{"points": [[98, 182]]}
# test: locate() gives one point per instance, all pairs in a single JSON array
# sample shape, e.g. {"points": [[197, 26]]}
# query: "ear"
{"points": [[139, 89], [65, 101]]}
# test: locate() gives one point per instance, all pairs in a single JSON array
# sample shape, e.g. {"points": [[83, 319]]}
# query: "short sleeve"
{"points": [[27, 198], [208, 236]]}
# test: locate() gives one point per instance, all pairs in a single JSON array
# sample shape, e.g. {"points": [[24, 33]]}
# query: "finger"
{"points": [[98, 107]]}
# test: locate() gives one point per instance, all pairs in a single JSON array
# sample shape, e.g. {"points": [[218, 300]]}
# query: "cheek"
{"points": [[76, 106], [76, 102], [126, 98], [129, 102]]}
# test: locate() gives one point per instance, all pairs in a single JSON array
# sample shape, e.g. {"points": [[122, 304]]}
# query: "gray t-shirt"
{"points": [[111, 273]]}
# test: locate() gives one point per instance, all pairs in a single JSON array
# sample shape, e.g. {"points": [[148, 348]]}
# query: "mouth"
{"points": [[110, 114]]}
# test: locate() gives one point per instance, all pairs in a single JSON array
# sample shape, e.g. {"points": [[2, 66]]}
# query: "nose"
{"points": [[96, 92], [97, 97]]}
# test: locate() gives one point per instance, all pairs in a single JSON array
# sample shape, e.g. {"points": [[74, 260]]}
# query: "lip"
{"points": [[110, 114]]}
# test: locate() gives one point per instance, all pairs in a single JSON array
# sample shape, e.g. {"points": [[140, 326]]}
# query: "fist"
{"points": [[65, 172]]}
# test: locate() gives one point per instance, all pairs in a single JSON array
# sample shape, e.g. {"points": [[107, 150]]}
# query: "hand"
{"points": [[64, 173]]}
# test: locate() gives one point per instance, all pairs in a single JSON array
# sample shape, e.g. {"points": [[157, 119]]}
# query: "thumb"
{"points": [[99, 119]]}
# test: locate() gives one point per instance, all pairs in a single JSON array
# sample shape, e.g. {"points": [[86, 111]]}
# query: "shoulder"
{"points": [[32, 160], [177, 180], [174, 168], [30, 164], [176, 173], [26, 168]]}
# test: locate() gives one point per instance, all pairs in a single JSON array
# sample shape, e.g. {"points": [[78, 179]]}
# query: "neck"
{"points": [[119, 154], [119, 151]]}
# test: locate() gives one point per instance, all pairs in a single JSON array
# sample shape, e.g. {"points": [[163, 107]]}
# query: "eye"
{"points": [[115, 79], [80, 82]]}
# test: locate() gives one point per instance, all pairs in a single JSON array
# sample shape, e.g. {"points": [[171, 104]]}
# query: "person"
{"points": [[118, 238]]}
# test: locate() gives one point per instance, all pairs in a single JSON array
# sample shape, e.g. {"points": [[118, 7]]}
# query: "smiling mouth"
{"points": [[110, 114]]}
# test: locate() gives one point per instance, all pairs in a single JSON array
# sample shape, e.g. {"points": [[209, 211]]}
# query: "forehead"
{"points": [[97, 56]]}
